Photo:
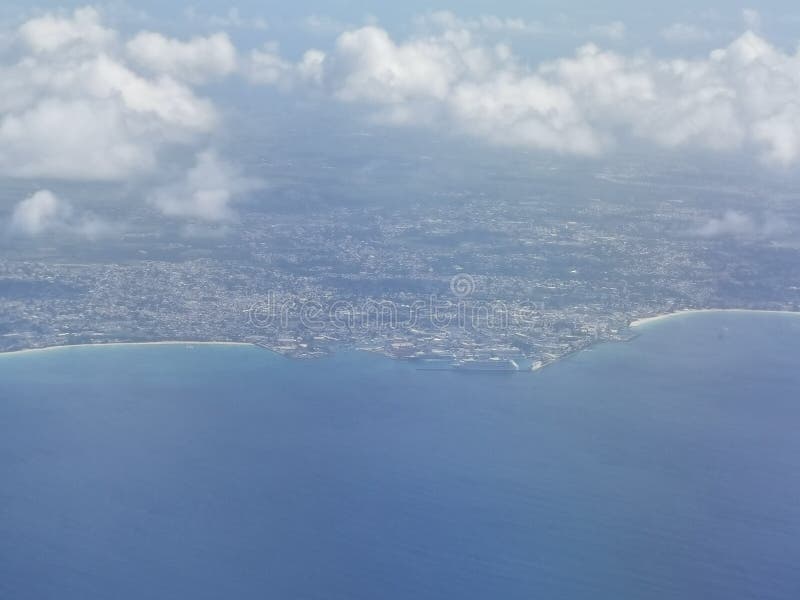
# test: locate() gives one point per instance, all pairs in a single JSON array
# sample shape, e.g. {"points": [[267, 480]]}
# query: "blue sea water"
{"points": [[668, 467]]}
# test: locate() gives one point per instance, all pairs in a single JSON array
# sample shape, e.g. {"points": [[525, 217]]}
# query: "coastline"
{"points": [[121, 344], [636, 324], [648, 320]]}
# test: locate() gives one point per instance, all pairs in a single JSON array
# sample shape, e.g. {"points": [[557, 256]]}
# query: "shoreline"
{"points": [[648, 320], [636, 324], [120, 344]]}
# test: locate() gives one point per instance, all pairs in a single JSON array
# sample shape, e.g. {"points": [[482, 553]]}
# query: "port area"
{"points": [[476, 365]]}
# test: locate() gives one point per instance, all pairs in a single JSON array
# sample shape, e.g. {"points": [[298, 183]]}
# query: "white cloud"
{"points": [[79, 102], [266, 66], [196, 61], [740, 225], [206, 192], [53, 33], [38, 213], [745, 96], [70, 139], [45, 213], [370, 66], [72, 108], [492, 25]]}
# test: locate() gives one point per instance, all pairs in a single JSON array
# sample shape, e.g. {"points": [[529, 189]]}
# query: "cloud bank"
{"points": [[742, 97], [80, 103], [72, 108], [197, 61]]}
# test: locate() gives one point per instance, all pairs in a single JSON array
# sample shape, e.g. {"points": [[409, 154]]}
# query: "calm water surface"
{"points": [[668, 467]]}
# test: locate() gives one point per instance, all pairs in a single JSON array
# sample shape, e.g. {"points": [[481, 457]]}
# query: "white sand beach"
{"points": [[654, 319], [120, 344]]}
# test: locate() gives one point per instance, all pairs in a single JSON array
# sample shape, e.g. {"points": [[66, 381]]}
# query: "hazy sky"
{"points": [[635, 10], [643, 16]]}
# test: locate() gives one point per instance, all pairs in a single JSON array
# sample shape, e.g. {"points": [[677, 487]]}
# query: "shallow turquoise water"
{"points": [[668, 467]]}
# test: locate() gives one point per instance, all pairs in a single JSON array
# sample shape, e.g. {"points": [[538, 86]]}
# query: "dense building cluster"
{"points": [[459, 276]]}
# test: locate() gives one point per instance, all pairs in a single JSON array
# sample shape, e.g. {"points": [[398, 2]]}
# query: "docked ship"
{"points": [[491, 365]]}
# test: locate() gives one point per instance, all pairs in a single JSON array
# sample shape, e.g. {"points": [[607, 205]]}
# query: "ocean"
{"points": [[663, 468]]}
